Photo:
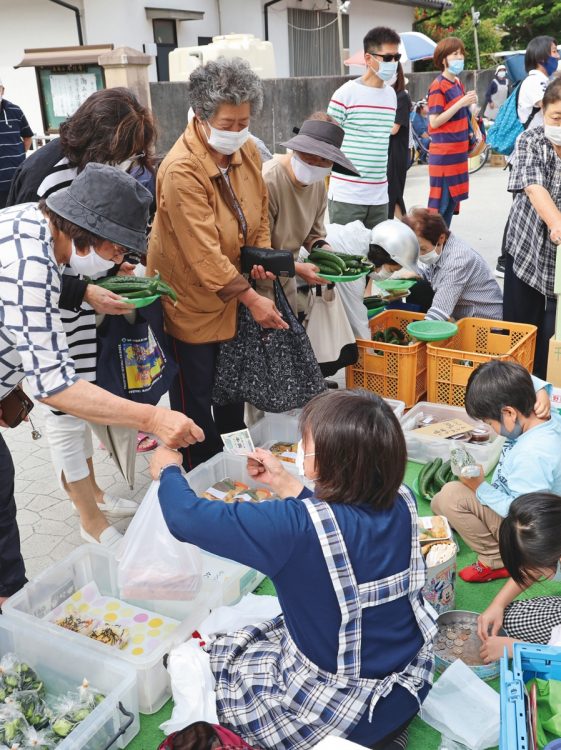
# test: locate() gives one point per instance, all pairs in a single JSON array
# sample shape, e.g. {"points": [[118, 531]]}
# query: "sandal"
{"points": [[145, 443]]}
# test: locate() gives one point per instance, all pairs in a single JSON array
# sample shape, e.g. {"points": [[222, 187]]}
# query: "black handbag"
{"points": [[275, 370], [134, 359], [279, 262]]}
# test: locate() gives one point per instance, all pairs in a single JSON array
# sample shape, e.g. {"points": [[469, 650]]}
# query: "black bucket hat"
{"points": [[322, 138], [107, 202]]}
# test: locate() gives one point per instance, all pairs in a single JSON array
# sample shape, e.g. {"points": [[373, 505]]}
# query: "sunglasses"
{"points": [[386, 58]]}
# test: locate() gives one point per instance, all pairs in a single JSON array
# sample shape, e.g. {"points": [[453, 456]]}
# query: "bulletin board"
{"points": [[63, 88]]}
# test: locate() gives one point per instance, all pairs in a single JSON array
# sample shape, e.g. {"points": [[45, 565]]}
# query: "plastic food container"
{"points": [[424, 448], [91, 562], [62, 664], [232, 579], [275, 428]]}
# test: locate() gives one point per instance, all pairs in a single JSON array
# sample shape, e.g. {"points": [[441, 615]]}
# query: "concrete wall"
{"points": [[287, 102]]}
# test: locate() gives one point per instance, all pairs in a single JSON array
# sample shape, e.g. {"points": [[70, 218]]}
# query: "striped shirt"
{"points": [[367, 115], [463, 284], [32, 340], [449, 143], [13, 127]]}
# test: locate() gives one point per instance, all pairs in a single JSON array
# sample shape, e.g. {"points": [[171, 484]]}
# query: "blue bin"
{"points": [[529, 660]]}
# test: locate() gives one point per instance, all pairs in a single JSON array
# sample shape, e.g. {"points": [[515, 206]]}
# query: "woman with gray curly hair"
{"points": [[211, 200]]}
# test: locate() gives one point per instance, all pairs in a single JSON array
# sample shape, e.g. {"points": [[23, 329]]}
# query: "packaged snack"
{"points": [[111, 634], [285, 451], [73, 621], [231, 491], [71, 709], [434, 527]]}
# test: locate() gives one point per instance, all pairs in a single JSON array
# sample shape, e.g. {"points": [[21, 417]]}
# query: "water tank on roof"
{"points": [[260, 55]]}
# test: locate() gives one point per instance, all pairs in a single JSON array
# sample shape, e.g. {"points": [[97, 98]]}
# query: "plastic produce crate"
{"points": [[424, 448], [91, 562], [529, 660], [62, 665], [391, 371], [274, 428], [451, 362]]}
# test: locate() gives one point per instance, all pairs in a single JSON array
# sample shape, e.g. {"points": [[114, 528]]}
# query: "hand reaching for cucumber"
{"points": [[309, 272], [106, 302]]}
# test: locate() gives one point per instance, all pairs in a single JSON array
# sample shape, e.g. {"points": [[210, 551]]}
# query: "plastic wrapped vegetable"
{"points": [[72, 709], [18, 675], [459, 458], [31, 705], [42, 740], [89, 695], [12, 725]]}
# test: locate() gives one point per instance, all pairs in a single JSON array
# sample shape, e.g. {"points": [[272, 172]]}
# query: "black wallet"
{"points": [[279, 262]]}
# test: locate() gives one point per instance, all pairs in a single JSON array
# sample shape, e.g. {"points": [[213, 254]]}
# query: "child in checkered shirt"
{"points": [[530, 544]]}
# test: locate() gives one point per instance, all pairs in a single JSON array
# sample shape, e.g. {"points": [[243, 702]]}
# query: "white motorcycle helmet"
{"points": [[399, 241]]}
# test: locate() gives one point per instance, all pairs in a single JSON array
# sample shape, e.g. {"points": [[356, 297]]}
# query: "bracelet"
{"points": [[167, 466]]}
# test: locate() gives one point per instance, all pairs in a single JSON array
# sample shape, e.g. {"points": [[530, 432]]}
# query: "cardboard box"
{"points": [[554, 363]]}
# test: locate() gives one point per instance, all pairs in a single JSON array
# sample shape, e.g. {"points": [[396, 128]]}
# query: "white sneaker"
{"points": [[109, 537], [119, 507]]}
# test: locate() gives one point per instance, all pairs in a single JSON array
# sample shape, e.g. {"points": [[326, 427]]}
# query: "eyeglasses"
{"points": [[386, 58]]}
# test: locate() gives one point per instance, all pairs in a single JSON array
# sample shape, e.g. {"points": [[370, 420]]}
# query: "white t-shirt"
{"points": [[531, 92], [367, 115]]}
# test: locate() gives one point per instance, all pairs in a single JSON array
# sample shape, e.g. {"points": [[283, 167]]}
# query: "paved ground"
{"points": [[49, 528]]}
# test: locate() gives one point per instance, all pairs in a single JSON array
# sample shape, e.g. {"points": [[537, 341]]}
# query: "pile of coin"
{"points": [[451, 639]]}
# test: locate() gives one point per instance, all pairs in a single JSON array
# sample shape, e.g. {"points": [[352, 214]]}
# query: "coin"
{"points": [[467, 631], [440, 647], [464, 637], [459, 643], [457, 651], [450, 633]]}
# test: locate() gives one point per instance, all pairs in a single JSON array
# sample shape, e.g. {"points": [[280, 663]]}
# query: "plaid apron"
{"points": [[275, 697]]}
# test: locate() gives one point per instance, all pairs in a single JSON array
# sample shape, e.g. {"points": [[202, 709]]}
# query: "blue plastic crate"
{"points": [[529, 660]]}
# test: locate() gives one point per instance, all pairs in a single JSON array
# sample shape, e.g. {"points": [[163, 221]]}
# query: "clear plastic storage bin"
{"points": [[398, 407], [38, 598], [423, 448], [275, 428], [232, 578], [62, 664]]}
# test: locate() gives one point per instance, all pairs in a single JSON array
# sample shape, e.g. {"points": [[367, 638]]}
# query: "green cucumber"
{"points": [[442, 474], [425, 488], [328, 257]]}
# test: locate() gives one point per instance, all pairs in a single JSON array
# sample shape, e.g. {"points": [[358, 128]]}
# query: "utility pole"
{"points": [[340, 30], [475, 15]]}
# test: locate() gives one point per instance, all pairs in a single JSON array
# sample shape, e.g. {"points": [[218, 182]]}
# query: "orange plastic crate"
{"points": [[451, 362], [391, 371]]}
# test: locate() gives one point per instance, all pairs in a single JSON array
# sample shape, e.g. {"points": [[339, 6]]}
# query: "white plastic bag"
{"points": [[192, 686], [464, 708], [329, 330], [152, 563], [250, 610]]}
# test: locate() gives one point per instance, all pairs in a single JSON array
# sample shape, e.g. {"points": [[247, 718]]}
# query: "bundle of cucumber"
{"points": [[433, 477], [337, 264], [392, 335], [137, 287]]}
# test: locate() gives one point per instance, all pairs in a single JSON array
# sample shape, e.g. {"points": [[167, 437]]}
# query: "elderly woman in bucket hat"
{"points": [[298, 195], [99, 217]]}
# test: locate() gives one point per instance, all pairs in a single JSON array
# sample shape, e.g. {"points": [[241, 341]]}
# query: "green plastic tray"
{"points": [[432, 330], [142, 301], [398, 285], [375, 311]]}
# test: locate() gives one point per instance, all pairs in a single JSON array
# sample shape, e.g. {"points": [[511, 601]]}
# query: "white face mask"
{"points": [[89, 265], [307, 173], [429, 259], [226, 142], [300, 456], [553, 133], [381, 275]]}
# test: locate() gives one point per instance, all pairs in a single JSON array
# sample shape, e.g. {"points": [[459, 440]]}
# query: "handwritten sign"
{"points": [[71, 90], [446, 429]]}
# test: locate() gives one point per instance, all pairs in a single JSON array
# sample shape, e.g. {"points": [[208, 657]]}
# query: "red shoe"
{"points": [[479, 573]]}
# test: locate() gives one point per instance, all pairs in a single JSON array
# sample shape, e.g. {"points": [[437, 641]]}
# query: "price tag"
{"points": [[446, 429]]}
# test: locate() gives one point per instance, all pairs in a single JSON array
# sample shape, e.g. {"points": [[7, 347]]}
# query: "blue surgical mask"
{"points": [[551, 64], [456, 67], [513, 434], [386, 70]]}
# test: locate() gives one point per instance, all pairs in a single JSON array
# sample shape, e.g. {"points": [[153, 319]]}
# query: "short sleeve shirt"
{"points": [[531, 92], [13, 127]]}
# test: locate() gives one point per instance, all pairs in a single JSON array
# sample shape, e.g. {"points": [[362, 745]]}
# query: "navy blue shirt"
{"points": [[279, 539], [13, 127]]}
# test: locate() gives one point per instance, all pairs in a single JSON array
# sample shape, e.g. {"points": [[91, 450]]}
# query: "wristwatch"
{"points": [[167, 466]]}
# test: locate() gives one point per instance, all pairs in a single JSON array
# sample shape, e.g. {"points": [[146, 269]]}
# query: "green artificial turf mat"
{"points": [[473, 597]]}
